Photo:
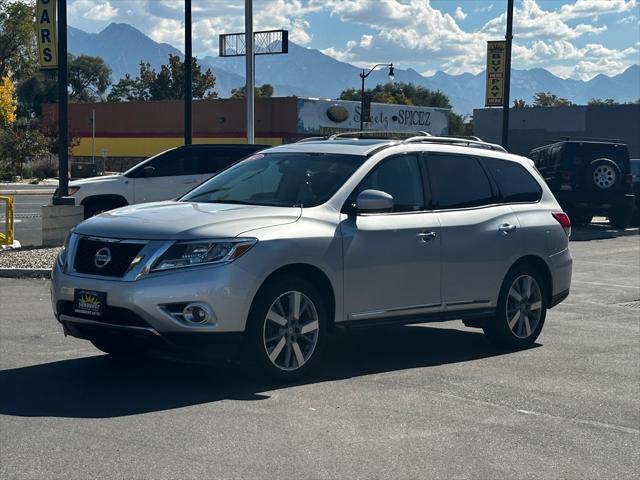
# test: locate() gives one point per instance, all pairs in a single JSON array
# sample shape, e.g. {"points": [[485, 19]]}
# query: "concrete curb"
{"points": [[25, 273], [33, 191]]}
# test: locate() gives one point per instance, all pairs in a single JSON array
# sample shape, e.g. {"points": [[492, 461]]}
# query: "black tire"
{"points": [[116, 348], [497, 329], [620, 217], [604, 182], [580, 217], [256, 351], [91, 209]]}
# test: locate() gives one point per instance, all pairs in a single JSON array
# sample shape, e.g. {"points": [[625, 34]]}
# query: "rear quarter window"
{"points": [[514, 181]]}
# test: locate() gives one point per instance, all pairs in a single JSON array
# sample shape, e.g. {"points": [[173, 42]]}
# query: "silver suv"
{"points": [[282, 248]]}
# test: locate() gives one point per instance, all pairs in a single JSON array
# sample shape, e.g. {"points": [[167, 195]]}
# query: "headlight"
{"points": [[62, 256], [193, 253]]}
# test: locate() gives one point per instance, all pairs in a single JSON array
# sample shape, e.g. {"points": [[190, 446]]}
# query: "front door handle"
{"points": [[507, 228], [426, 236]]}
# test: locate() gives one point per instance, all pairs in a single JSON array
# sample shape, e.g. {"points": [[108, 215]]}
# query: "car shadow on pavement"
{"points": [[101, 387], [599, 231]]}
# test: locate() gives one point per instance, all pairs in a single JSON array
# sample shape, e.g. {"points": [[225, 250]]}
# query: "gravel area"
{"points": [[29, 258]]}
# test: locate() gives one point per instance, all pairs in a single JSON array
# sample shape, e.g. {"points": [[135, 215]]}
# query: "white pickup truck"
{"points": [[167, 175]]}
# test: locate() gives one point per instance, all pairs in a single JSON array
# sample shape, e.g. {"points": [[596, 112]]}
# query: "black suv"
{"points": [[588, 177]]}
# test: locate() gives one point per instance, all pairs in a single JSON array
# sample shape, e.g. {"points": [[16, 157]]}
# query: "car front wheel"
{"points": [[286, 329], [521, 309]]}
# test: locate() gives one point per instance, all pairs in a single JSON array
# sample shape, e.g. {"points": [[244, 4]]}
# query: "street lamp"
{"points": [[364, 75]]}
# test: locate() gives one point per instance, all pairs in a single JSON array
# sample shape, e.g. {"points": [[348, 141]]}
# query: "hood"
{"points": [[102, 179], [185, 220]]}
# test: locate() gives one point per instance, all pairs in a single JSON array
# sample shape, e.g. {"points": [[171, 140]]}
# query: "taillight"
{"points": [[564, 220]]}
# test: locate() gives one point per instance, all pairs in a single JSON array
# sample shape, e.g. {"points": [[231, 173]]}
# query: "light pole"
{"points": [[507, 76], [364, 75]]}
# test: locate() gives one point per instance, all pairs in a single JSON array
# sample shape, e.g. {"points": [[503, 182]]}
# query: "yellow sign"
{"points": [[46, 28], [495, 73]]}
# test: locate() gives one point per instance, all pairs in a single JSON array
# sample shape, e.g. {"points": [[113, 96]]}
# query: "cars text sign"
{"points": [[46, 29]]}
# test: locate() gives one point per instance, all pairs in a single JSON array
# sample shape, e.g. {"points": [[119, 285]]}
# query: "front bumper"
{"points": [[137, 308]]}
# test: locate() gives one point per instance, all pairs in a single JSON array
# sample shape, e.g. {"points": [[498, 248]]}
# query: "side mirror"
{"points": [[149, 171], [372, 201]]}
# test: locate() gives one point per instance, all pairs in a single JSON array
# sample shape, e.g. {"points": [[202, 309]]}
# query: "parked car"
{"points": [[164, 176], [589, 178], [635, 188], [291, 243]]}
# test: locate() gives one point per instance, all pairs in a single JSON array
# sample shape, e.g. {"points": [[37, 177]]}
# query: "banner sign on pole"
{"points": [[46, 29], [496, 60]]}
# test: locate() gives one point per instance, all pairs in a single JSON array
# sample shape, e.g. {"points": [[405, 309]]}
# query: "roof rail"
{"points": [[378, 134], [592, 139], [457, 141]]}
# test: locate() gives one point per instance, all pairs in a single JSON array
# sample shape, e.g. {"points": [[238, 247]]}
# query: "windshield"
{"points": [[279, 179]]}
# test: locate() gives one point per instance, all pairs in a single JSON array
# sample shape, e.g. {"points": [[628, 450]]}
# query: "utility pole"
{"points": [[250, 68], [507, 76], [188, 90], [63, 197]]}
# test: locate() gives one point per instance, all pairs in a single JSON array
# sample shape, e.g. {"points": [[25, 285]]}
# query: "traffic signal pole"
{"points": [[250, 69], [188, 60], [63, 197], [507, 76]]}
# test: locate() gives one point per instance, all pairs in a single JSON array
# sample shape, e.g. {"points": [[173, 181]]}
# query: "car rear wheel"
{"points": [[521, 309], [620, 217], [286, 329]]}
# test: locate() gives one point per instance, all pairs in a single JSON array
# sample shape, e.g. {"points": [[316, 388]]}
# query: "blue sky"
{"points": [[571, 38]]}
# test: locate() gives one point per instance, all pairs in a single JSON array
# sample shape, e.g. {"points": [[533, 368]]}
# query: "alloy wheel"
{"points": [[524, 306], [291, 330], [604, 176]]}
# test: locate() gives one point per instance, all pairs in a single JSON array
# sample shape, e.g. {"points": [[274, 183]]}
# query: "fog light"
{"points": [[197, 313]]}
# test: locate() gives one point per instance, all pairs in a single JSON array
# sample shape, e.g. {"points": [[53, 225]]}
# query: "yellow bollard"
{"points": [[8, 236]]}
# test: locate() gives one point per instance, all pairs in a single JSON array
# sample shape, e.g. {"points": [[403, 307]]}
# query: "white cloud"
{"points": [[593, 8], [486, 8], [459, 14], [92, 10], [627, 20]]}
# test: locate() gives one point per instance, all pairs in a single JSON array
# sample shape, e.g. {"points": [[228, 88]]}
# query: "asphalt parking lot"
{"points": [[430, 401]]}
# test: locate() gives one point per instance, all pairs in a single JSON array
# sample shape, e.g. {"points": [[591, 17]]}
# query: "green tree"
{"points": [[599, 101], [20, 142], [548, 99], [18, 49], [263, 91], [167, 84], [519, 103], [39, 88], [89, 78]]}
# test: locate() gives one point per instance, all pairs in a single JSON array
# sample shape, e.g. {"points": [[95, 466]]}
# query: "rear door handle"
{"points": [[426, 236], [507, 228]]}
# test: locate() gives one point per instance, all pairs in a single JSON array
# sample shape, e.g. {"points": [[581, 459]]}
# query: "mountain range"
{"points": [[310, 73]]}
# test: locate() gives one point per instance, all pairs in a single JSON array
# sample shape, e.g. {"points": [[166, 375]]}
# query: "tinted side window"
{"points": [[458, 181], [216, 159], [514, 182], [173, 163], [399, 177]]}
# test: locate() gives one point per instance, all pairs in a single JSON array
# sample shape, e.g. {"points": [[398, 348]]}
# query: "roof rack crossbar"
{"points": [[376, 134], [456, 141], [593, 139]]}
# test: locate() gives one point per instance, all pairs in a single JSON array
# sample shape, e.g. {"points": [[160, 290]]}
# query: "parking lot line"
{"points": [[606, 284]]}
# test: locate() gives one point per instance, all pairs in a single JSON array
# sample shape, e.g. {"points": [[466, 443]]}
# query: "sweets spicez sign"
{"points": [[495, 73], [46, 30], [331, 116]]}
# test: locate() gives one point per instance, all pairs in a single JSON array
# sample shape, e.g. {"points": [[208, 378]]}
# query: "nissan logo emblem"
{"points": [[102, 258]]}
